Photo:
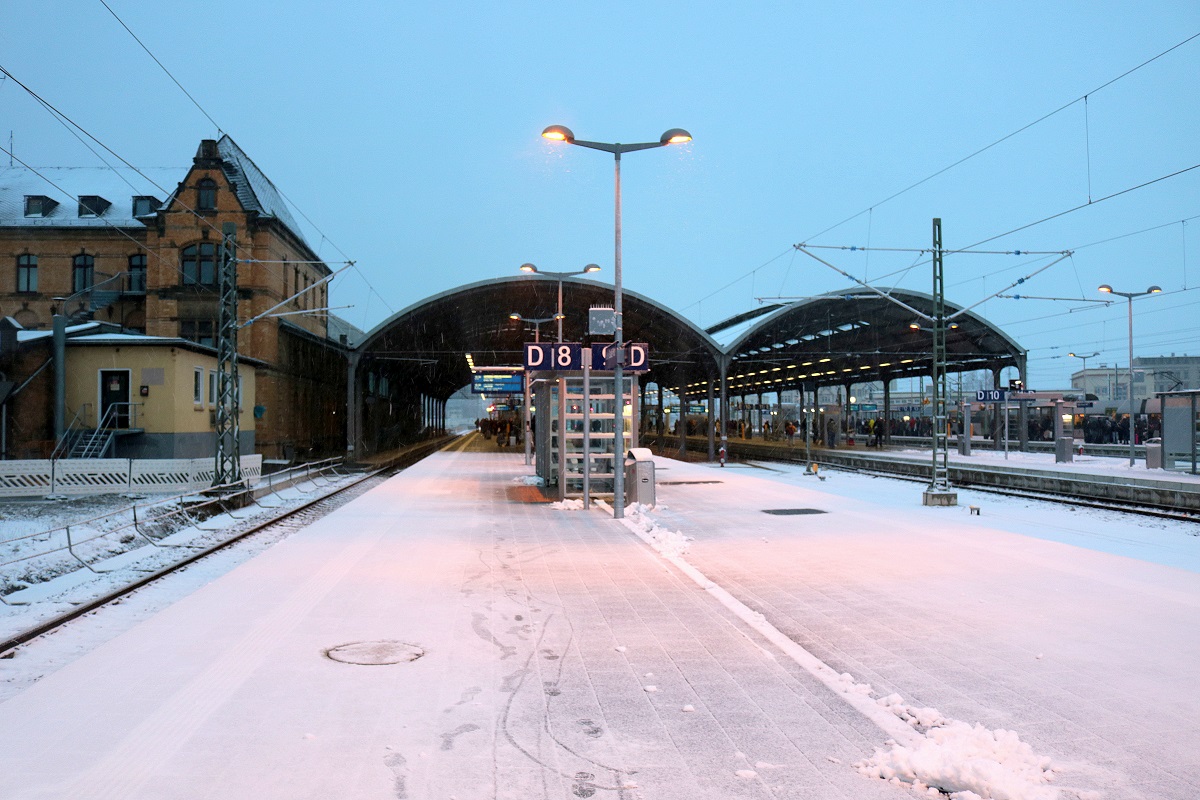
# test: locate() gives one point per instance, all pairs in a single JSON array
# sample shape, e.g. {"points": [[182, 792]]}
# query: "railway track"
{"points": [[277, 526], [1149, 497]]}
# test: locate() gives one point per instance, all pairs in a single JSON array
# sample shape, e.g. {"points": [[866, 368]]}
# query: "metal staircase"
{"points": [[92, 444]]}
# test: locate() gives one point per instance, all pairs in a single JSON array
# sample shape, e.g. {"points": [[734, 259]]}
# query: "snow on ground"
{"points": [[40, 588], [956, 757], [870, 648]]}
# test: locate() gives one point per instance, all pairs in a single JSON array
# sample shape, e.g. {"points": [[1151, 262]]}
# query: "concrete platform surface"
{"points": [[443, 637]]}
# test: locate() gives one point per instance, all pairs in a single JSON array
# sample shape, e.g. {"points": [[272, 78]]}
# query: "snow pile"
{"points": [[568, 505], [848, 685], [529, 480], [917, 717], [966, 763], [672, 544]]}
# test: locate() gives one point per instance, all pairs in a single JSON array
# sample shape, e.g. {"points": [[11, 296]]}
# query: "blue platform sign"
{"points": [[637, 357], [560, 356], [568, 357], [991, 396]]}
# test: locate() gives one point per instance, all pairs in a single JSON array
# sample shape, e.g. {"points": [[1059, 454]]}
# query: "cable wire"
{"points": [[162, 67]]}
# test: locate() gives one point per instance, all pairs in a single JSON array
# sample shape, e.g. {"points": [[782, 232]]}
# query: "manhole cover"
{"points": [[792, 512], [375, 653]]}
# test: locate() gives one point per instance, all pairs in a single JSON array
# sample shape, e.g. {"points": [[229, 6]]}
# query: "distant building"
{"points": [[1151, 374], [142, 250]]}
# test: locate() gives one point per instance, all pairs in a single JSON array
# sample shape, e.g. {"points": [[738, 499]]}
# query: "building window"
{"points": [[83, 272], [212, 389], [37, 205], [137, 273], [144, 206], [92, 205], [206, 195], [198, 386], [27, 273], [199, 264], [199, 331]]}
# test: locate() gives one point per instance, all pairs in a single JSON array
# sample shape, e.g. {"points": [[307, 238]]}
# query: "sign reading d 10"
{"points": [[990, 396]]}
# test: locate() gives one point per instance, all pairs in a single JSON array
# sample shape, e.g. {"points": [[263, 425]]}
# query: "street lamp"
{"points": [[536, 323], [530, 268], [1085, 358], [561, 133], [1129, 298]]}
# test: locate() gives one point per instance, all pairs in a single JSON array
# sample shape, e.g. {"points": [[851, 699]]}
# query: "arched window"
{"points": [[198, 263], [27, 273], [137, 273], [83, 272], [206, 195]]}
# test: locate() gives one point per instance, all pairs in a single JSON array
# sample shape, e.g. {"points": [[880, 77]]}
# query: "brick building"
{"points": [[141, 249]]}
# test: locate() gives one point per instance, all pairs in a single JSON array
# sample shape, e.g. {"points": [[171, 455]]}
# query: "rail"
{"points": [[89, 541]]}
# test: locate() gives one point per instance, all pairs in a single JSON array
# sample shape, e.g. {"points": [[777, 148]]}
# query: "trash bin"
{"points": [[1154, 453], [1064, 452], [639, 476]]}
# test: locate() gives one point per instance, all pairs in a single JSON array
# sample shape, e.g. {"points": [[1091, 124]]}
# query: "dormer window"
{"points": [[92, 205], [206, 195], [145, 206], [37, 205]]}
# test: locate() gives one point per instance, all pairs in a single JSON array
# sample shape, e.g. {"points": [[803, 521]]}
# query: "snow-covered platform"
{"points": [[761, 634]]}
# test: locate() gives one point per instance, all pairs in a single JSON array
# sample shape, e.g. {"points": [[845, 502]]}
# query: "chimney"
{"points": [[208, 151]]}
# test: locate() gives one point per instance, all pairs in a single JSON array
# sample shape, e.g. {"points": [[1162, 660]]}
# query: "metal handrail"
{"points": [[61, 446]]}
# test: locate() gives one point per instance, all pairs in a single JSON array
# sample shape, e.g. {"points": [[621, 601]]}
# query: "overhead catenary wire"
{"points": [[1044, 117], [161, 66]]}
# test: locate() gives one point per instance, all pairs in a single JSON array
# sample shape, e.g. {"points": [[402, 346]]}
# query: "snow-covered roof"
{"points": [[338, 327], [66, 185], [254, 189], [72, 330]]}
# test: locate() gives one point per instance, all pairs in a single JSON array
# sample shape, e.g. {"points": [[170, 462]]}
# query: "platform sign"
{"points": [[561, 356], [637, 357], [991, 396], [567, 356], [1084, 403], [497, 383]]}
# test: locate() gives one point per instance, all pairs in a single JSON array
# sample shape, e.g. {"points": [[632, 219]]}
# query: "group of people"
{"points": [[504, 429]]}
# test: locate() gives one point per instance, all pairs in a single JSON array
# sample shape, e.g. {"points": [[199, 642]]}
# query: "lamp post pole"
{"points": [[530, 268], [1129, 303], [1085, 358], [537, 338], [560, 133]]}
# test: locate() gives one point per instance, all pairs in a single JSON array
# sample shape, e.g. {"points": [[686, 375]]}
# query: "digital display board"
{"points": [[497, 383]]}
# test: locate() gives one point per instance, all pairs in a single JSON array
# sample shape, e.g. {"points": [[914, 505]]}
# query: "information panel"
{"points": [[497, 383]]}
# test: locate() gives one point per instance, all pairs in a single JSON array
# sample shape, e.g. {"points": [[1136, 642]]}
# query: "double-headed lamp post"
{"points": [[561, 133], [1129, 298], [530, 268], [1084, 357], [537, 323]]}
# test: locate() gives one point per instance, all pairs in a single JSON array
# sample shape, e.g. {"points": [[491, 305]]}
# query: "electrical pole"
{"points": [[939, 492], [228, 469]]}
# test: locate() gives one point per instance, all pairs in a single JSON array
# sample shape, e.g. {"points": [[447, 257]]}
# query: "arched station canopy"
{"points": [[853, 336], [428, 341]]}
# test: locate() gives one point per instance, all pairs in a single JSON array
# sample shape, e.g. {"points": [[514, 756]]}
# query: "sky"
{"points": [[407, 138]]}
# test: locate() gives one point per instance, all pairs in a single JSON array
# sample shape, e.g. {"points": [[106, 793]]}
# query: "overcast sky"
{"points": [[408, 134]]}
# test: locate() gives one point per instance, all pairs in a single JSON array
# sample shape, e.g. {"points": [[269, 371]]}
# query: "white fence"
{"points": [[83, 476]]}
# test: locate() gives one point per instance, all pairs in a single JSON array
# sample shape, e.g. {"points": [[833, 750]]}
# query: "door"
{"points": [[114, 390]]}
